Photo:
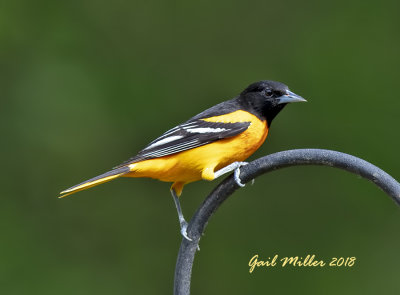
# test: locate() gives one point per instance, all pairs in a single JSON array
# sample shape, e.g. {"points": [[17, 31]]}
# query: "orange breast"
{"points": [[187, 166]]}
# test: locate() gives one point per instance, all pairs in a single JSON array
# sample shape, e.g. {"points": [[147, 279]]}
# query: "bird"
{"points": [[212, 143]]}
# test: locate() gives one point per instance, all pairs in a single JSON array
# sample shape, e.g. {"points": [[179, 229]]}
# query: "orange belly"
{"points": [[201, 162]]}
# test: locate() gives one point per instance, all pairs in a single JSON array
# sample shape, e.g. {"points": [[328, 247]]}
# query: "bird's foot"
{"points": [[184, 226], [237, 173]]}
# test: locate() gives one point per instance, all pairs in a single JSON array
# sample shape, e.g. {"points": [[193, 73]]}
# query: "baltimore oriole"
{"points": [[208, 145]]}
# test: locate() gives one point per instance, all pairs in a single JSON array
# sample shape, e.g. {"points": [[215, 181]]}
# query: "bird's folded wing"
{"points": [[187, 136]]}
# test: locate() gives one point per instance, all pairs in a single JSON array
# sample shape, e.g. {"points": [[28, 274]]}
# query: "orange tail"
{"points": [[110, 175]]}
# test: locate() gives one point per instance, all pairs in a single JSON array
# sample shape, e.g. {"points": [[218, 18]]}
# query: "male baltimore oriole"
{"points": [[208, 145]]}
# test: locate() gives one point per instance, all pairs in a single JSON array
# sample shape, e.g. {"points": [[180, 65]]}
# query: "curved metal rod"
{"points": [[187, 251]]}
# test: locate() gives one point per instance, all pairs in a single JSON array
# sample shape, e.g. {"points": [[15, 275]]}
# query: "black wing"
{"points": [[189, 135]]}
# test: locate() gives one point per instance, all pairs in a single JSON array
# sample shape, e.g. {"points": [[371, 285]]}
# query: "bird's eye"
{"points": [[268, 92]]}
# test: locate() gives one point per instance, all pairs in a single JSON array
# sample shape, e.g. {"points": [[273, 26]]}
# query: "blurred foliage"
{"points": [[86, 84]]}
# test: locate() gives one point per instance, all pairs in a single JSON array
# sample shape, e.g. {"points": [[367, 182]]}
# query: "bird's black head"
{"points": [[267, 98]]}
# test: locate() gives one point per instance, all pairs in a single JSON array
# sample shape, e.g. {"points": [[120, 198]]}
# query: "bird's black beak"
{"points": [[290, 97]]}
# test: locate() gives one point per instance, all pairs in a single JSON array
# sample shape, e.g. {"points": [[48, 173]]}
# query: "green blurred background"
{"points": [[86, 84]]}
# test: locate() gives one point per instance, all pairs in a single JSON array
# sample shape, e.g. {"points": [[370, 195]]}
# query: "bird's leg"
{"points": [[232, 167], [182, 220]]}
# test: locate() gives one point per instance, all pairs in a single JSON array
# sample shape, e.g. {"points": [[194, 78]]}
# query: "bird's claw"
{"points": [[237, 174], [184, 226]]}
